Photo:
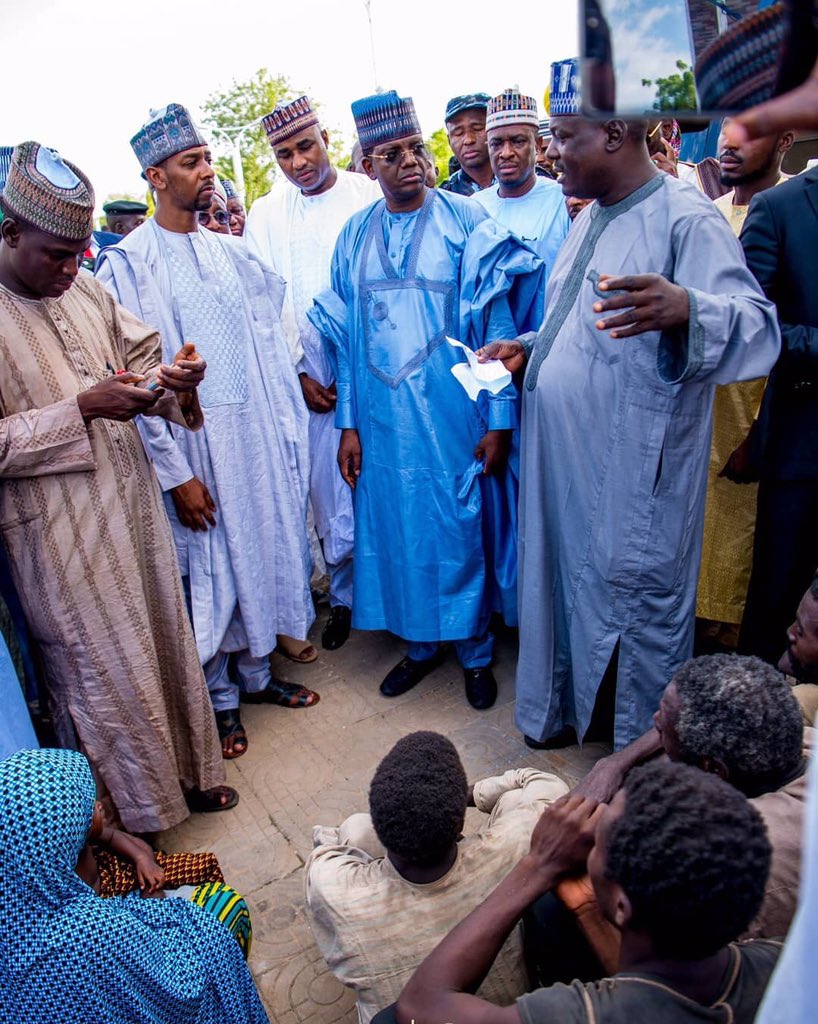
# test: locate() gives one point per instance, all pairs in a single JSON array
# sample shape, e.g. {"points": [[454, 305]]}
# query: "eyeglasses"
{"points": [[220, 216]]}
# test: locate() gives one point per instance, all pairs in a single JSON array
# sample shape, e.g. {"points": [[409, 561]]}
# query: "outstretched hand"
{"points": [[187, 371], [650, 301]]}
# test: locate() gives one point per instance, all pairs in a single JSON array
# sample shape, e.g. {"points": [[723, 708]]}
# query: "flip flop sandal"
{"points": [[285, 695], [206, 801], [301, 652], [229, 725]]}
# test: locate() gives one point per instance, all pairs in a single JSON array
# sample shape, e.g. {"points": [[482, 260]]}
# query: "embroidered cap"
{"points": [[511, 107], [49, 193], [169, 131], [229, 189], [384, 117], [740, 68], [5, 163], [544, 128], [469, 101], [289, 119], [566, 96]]}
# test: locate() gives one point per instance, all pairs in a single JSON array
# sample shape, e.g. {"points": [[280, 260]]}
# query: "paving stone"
{"points": [[311, 766]]}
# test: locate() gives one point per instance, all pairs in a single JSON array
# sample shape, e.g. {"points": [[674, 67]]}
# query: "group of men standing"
{"points": [[326, 330]]}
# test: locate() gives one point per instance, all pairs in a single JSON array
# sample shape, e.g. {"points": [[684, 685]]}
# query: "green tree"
{"points": [[676, 92], [438, 146], [241, 104]]}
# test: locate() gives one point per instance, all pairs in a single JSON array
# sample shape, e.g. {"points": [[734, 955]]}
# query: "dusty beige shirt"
{"points": [[374, 928]]}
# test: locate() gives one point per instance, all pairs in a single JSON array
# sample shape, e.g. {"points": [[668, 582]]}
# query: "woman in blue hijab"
{"points": [[70, 956]]}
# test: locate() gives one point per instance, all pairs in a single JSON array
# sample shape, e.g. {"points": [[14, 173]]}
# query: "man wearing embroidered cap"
{"points": [[235, 492], [88, 540], [427, 464], [649, 306], [235, 207], [294, 228], [526, 203], [466, 131]]}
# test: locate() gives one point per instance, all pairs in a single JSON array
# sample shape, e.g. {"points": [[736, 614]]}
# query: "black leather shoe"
{"points": [[336, 632], [481, 687], [566, 737], [408, 673]]}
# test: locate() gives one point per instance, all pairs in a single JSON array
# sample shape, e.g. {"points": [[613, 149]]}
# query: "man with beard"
{"points": [[466, 131], [616, 427], [730, 509], [236, 493]]}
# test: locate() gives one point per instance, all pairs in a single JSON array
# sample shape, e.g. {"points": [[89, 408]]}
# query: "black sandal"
{"points": [[229, 725]]}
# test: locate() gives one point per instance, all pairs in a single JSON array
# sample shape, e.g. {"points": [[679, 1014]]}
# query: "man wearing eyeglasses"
{"points": [[237, 496], [427, 463]]}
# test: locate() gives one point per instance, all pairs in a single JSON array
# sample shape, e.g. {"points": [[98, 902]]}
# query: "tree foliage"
{"points": [[676, 92], [438, 146], [241, 104]]}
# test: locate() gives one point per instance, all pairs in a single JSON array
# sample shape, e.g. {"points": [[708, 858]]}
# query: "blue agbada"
{"points": [[435, 539], [70, 956]]}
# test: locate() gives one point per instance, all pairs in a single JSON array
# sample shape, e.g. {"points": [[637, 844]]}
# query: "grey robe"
{"points": [[616, 437]]}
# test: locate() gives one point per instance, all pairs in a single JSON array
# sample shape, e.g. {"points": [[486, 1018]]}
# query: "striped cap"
{"points": [[49, 193], [289, 119], [565, 88], [384, 117], [544, 128], [511, 107]]}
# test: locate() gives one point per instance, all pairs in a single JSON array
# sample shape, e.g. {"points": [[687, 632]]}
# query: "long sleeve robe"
{"points": [[615, 447], [92, 556]]}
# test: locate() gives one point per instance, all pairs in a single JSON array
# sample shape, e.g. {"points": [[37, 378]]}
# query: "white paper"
{"points": [[475, 376]]}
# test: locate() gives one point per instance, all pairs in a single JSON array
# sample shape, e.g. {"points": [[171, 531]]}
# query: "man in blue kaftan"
{"points": [[617, 414], [424, 459], [236, 493]]}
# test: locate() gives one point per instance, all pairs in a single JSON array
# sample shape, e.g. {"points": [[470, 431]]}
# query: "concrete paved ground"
{"points": [[313, 766]]}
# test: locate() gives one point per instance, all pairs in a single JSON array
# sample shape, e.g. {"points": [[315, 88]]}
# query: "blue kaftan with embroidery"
{"points": [[400, 284]]}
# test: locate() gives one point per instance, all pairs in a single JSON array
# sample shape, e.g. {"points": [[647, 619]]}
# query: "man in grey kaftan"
{"points": [[616, 432]]}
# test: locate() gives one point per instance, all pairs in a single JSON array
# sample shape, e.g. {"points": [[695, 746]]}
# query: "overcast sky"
{"points": [[81, 75]]}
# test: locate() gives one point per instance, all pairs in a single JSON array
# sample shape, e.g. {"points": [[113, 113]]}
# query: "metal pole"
{"points": [[368, 6]]}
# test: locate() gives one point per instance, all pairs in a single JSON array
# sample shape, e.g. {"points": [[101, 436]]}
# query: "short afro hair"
{"points": [[741, 711], [692, 855], [418, 798]]}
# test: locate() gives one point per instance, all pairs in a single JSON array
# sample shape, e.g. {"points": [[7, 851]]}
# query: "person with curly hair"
{"points": [[384, 888], [678, 863], [735, 717]]}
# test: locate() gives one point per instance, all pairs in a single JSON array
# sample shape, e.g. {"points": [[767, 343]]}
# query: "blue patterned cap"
{"points": [[5, 163], [169, 131], [469, 101], [566, 97], [229, 189], [384, 117]]}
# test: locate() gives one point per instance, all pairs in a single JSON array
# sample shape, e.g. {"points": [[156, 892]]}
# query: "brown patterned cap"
{"points": [[289, 119], [49, 193]]}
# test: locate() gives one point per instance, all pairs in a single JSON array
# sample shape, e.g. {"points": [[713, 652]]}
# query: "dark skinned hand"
{"points": [[187, 371], [564, 835], [194, 506], [740, 467], [666, 160], [116, 398], [510, 353], [317, 397], [349, 456], [149, 874], [493, 447], [651, 303]]}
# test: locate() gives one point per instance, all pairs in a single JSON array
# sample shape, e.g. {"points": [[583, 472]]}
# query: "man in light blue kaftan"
{"points": [[236, 494], [616, 431], [408, 271]]}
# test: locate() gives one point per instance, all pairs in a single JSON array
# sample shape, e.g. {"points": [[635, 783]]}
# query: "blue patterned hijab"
{"points": [[70, 956]]}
